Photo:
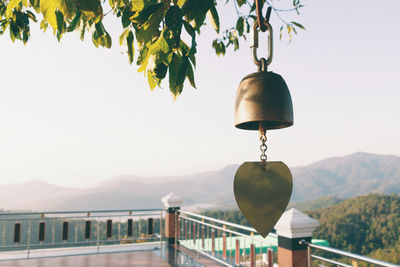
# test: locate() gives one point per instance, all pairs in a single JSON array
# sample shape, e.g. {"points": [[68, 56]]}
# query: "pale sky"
{"points": [[72, 114]]}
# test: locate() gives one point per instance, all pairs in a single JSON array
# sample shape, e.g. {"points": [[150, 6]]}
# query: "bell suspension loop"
{"points": [[262, 63]]}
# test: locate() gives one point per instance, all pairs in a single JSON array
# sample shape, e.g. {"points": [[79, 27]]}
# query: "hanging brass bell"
{"points": [[263, 188], [263, 99]]}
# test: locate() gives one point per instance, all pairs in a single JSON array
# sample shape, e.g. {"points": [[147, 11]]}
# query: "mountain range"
{"points": [[340, 177]]}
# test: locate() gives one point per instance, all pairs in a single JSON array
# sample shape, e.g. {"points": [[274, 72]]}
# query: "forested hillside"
{"points": [[367, 225]]}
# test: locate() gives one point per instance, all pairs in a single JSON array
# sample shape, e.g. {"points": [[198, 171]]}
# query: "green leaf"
{"points": [[219, 47], [111, 3], [143, 16], [153, 22], [82, 35], [131, 48], [13, 32], [193, 9], [36, 5], [173, 71], [90, 8], [199, 21], [126, 14], [101, 37], [100, 28], [10, 8], [159, 46], [74, 23], [298, 25], [173, 23], [213, 16], [183, 71], [143, 52], [190, 75], [160, 70], [31, 15], [108, 41], [241, 2], [96, 39], [151, 81], [137, 5], [123, 36], [143, 59], [189, 29], [60, 21], [3, 9], [48, 9], [44, 25], [25, 37], [180, 3], [173, 19], [240, 26], [192, 59]]}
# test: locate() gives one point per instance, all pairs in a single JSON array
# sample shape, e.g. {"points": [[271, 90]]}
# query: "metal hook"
{"points": [[254, 45], [260, 18]]}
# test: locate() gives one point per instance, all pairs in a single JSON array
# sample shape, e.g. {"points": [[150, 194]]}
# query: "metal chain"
{"points": [[263, 146]]}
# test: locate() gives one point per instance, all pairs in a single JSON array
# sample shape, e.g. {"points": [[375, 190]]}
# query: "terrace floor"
{"points": [[164, 256]]}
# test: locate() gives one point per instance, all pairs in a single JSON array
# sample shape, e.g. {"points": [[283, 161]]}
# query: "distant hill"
{"points": [[319, 203], [32, 194], [123, 192], [339, 177], [345, 177], [367, 225]]}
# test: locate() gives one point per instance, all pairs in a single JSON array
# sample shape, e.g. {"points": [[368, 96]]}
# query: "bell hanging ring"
{"points": [[263, 100]]}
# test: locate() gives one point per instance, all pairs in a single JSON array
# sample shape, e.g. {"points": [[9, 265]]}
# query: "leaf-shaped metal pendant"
{"points": [[262, 192]]}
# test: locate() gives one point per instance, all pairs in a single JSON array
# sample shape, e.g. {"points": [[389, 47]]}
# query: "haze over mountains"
{"points": [[343, 177]]}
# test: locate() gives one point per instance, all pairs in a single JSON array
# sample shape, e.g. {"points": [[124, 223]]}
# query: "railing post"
{"points": [[186, 229], [252, 255], [202, 237], [270, 257], [3, 241], [291, 228], [172, 203], [224, 246], [28, 249], [237, 252], [212, 242], [194, 233], [98, 235], [161, 226]]}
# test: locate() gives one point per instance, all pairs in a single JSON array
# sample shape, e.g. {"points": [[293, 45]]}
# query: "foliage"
{"points": [[154, 27], [319, 203], [367, 225]]}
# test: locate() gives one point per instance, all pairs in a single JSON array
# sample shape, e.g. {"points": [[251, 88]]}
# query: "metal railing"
{"points": [[27, 232], [227, 243], [336, 253]]}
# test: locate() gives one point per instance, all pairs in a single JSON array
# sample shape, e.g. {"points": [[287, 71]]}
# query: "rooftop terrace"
{"points": [[161, 237]]}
